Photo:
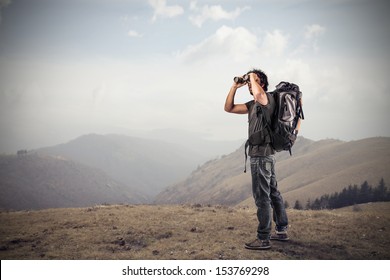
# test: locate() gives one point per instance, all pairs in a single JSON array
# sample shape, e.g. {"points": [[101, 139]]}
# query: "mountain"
{"points": [[144, 164], [194, 142], [33, 181], [316, 168]]}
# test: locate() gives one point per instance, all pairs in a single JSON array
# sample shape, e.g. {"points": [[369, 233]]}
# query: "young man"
{"points": [[264, 184]]}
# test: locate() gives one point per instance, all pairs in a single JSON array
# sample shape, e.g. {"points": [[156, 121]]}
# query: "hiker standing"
{"points": [[262, 160]]}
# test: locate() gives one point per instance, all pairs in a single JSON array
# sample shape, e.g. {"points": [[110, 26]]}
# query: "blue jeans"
{"points": [[266, 195]]}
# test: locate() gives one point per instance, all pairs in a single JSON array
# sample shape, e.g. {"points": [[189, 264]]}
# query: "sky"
{"points": [[69, 68]]}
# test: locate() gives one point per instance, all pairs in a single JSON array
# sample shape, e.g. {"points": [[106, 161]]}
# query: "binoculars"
{"points": [[241, 80]]}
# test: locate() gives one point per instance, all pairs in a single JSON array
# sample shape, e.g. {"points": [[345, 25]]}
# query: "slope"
{"points": [[316, 168], [33, 181]]}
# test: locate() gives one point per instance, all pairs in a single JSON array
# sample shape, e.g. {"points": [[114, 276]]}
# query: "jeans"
{"points": [[266, 195]]}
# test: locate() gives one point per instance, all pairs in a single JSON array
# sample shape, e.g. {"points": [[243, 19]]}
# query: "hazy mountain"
{"points": [[316, 168], [145, 164], [33, 181], [194, 142]]}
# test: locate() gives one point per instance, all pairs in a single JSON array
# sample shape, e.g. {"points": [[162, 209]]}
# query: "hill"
{"points": [[144, 164], [316, 168], [191, 232], [34, 181]]}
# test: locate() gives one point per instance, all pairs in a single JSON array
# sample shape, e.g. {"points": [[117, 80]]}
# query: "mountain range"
{"points": [[95, 169], [135, 169], [147, 165]]}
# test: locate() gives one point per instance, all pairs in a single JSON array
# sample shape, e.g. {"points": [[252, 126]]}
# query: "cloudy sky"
{"points": [[73, 67]]}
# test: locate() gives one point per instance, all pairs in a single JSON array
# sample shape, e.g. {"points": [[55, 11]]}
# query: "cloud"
{"points": [[310, 40], [161, 9], [275, 43], [228, 43], [314, 31], [215, 13], [312, 34], [133, 33], [238, 45]]}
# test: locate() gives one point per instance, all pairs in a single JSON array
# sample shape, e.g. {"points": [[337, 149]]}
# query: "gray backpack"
{"points": [[288, 111]]}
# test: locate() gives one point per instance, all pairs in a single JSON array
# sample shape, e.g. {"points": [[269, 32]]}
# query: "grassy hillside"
{"points": [[34, 181], [316, 168], [191, 232], [331, 168]]}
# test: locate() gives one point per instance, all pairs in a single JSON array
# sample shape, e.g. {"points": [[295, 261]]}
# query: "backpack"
{"points": [[288, 111], [281, 126]]}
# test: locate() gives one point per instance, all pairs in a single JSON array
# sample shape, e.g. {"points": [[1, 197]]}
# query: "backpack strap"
{"points": [[246, 154], [267, 125], [267, 122]]}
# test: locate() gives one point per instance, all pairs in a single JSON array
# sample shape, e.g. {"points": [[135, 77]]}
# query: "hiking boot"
{"points": [[258, 244], [280, 236]]}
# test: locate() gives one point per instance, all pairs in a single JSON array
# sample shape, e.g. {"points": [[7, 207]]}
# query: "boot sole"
{"points": [[257, 248]]}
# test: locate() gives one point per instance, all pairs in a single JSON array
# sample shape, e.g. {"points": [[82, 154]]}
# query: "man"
{"points": [[264, 184]]}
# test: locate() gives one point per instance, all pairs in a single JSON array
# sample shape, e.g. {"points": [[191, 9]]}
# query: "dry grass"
{"points": [[190, 232]]}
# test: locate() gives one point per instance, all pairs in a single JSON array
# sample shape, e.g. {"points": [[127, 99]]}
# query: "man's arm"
{"points": [[230, 107], [258, 92]]}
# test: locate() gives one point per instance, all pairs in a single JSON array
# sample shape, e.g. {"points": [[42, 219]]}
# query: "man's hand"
{"points": [[230, 106], [253, 76], [238, 85]]}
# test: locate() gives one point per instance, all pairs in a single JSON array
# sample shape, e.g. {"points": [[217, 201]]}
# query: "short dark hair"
{"points": [[262, 76]]}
